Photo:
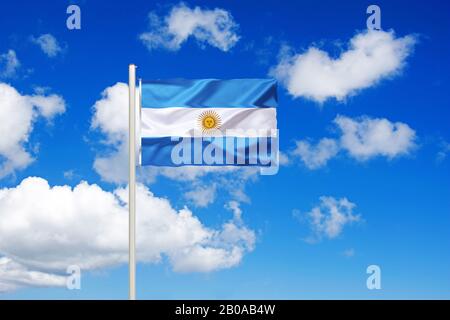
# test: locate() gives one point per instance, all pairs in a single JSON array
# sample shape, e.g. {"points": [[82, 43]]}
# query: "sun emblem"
{"points": [[209, 121]]}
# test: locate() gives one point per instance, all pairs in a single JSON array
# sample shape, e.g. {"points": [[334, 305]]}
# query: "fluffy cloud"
{"points": [[111, 113], [111, 118], [13, 275], [443, 152], [349, 253], [48, 44], [361, 138], [214, 27], [18, 113], [237, 240], [328, 219], [8, 64], [202, 196], [365, 137], [235, 207], [45, 229], [316, 156], [371, 56]]}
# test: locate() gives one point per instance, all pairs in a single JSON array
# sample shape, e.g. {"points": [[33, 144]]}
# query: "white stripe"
{"points": [[182, 122]]}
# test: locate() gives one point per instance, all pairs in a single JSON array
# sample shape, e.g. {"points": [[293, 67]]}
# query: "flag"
{"points": [[208, 122]]}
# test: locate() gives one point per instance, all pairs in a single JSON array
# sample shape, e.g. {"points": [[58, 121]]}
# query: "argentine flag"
{"points": [[208, 122]]}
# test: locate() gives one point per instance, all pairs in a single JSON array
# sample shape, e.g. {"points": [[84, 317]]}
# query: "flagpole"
{"points": [[132, 181]]}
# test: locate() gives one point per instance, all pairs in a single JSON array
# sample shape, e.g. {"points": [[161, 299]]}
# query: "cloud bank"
{"points": [[45, 229]]}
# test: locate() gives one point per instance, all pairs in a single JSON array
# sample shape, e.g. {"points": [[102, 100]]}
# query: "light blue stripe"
{"points": [[210, 93], [158, 151]]}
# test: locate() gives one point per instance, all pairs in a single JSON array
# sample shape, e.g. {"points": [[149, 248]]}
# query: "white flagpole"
{"points": [[132, 181]]}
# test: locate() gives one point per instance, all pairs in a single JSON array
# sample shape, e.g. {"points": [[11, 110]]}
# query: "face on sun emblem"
{"points": [[209, 121]]}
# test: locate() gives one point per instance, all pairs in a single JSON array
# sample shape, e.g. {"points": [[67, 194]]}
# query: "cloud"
{"points": [[362, 138], [48, 44], [214, 27], [13, 276], [316, 156], [46, 229], [110, 116], [443, 152], [349, 253], [371, 56], [111, 112], [235, 207], [199, 258], [18, 114], [328, 219], [69, 174], [202, 196], [8, 64]]}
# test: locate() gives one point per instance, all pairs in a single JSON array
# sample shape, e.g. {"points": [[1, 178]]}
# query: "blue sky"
{"points": [[400, 187]]}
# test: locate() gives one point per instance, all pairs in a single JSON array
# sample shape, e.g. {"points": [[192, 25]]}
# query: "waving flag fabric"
{"points": [[208, 122]]}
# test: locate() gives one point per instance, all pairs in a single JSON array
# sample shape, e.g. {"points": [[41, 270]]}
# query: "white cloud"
{"points": [[48, 106], [349, 253], [69, 174], [111, 118], [364, 138], [49, 228], [202, 196], [227, 249], [13, 275], [18, 114], [442, 154], [214, 27], [329, 218], [8, 64], [48, 44], [316, 156], [111, 113], [113, 165], [283, 159], [371, 57], [235, 207]]}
